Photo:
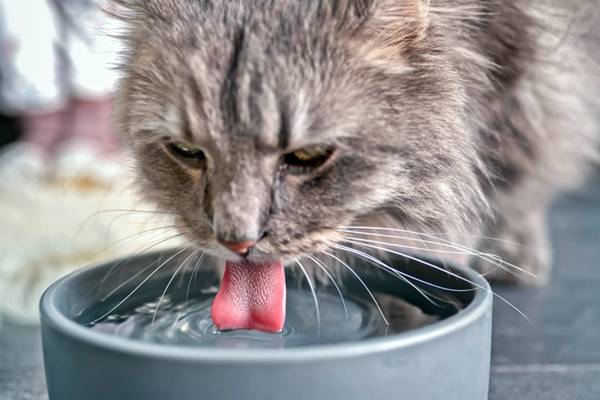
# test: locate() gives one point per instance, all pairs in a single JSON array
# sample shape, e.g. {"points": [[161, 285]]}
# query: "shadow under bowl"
{"points": [[447, 359]]}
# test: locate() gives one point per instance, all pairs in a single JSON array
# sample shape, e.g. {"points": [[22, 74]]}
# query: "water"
{"points": [[188, 323]]}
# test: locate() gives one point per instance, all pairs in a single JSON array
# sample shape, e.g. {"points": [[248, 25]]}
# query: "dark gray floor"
{"points": [[555, 356]]}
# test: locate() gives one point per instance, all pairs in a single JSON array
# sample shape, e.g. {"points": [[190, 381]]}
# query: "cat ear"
{"points": [[393, 28], [141, 10], [360, 8]]}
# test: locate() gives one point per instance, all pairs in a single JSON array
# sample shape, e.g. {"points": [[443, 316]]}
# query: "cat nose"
{"points": [[241, 248]]}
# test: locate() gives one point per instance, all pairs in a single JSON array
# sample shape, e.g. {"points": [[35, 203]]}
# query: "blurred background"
{"points": [[65, 194]]}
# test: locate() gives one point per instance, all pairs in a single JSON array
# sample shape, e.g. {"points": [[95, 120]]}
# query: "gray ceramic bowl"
{"points": [[447, 360]]}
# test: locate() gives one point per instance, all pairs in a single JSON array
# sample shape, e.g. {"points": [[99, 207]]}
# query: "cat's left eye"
{"points": [[309, 157], [186, 152]]}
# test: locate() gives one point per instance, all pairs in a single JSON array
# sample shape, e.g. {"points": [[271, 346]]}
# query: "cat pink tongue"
{"points": [[252, 296]]}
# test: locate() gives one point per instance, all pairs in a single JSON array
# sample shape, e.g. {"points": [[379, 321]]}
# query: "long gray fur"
{"points": [[461, 117]]}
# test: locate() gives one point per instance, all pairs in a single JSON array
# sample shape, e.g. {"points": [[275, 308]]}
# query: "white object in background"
{"points": [[32, 49], [52, 220], [28, 60]]}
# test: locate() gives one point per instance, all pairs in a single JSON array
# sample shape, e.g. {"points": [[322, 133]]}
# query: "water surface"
{"points": [[177, 321]]}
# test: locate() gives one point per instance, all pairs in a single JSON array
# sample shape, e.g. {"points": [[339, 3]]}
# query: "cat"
{"points": [[276, 128]]}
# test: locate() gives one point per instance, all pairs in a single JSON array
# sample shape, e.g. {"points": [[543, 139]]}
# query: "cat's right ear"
{"points": [[131, 11], [391, 30]]}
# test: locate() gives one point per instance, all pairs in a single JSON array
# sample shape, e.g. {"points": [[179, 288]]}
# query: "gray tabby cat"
{"points": [[267, 125]]}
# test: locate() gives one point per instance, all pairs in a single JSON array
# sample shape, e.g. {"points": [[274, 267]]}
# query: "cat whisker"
{"points": [[491, 258], [124, 211], [115, 219], [140, 285], [374, 260], [171, 281], [117, 265], [122, 284], [314, 294], [192, 275], [404, 276], [429, 249], [132, 211], [195, 274], [135, 235], [463, 252], [407, 278], [435, 235], [126, 260], [450, 273], [116, 243], [182, 276], [362, 282], [332, 279]]}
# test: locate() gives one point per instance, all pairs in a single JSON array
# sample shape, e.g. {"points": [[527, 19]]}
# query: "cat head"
{"points": [[278, 122]]}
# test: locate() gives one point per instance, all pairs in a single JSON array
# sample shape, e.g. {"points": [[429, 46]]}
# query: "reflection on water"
{"points": [[188, 323]]}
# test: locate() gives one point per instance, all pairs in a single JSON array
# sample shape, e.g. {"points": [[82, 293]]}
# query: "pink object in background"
{"points": [[80, 120], [56, 76]]}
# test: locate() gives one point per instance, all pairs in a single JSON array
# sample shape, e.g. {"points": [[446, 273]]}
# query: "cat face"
{"points": [[278, 123]]}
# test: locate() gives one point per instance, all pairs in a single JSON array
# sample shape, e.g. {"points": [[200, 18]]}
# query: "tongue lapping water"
{"points": [[189, 323]]}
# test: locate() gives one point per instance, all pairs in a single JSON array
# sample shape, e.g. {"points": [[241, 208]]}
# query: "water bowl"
{"points": [[140, 329]]}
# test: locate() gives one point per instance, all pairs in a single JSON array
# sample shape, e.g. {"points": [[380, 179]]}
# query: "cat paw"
{"points": [[519, 256]]}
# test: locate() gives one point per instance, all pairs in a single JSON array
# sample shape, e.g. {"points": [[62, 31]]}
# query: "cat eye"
{"points": [[309, 158], [186, 153]]}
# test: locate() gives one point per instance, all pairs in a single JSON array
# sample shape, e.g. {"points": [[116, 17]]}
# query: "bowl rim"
{"points": [[52, 318]]}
